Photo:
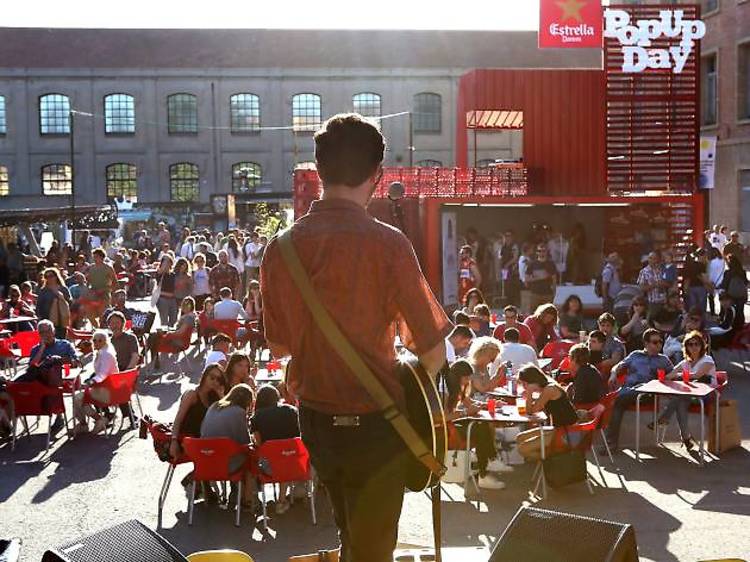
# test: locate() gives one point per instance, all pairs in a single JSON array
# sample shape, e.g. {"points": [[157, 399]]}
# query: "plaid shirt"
{"points": [[652, 276], [223, 275]]}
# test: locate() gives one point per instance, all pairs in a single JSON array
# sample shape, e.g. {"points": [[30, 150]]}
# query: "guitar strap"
{"points": [[366, 377]]}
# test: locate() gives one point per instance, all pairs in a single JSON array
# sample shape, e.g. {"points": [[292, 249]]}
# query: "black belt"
{"points": [[343, 420]]}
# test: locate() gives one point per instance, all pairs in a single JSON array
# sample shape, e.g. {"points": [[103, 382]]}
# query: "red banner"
{"points": [[570, 24]]}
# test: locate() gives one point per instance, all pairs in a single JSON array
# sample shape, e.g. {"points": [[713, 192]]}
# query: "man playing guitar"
{"points": [[367, 277]]}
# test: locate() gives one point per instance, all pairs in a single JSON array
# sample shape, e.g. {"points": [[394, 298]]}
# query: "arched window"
{"points": [[54, 114], [4, 181], [427, 116], [306, 112], [244, 113], [246, 176], [429, 164], [122, 181], [184, 181], [3, 121], [367, 104], [119, 114], [182, 114], [57, 179]]}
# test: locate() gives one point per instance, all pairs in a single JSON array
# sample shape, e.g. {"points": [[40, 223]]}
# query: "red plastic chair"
{"points": [[557, 351], [228, 327], [24, 342], [284, 460], [121, 388], [9, 355], [157, 435], [35, 399], [210, 458]]}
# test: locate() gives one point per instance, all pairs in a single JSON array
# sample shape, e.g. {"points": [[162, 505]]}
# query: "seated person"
{"points": [[78, 288], [641, 366], [105, 364], [588, 386], [481, 320], [274, 420], [193, 406], [457, 343], [119, 304], [703, 369], [227, 417], [513, 352], [239, 370], [632, 331], [460, 318], [458, 404], [219, 350], [228, 308], [571, 318], [14, 307], [482, 354], [723, 333], [510, 313], [174, 340], [693, 319], [613, 350], [27, 294], [542, 325], [127, 350], [667, 317], [596, 346], [553, 401], [205, 317]]}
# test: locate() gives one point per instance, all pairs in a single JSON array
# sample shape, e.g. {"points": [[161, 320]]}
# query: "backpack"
{"points": [[737, 289]]}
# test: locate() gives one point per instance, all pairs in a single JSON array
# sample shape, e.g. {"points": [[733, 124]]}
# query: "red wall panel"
{"points": [[564, 124]]}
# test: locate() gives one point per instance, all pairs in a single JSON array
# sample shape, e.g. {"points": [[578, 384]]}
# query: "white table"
{"points": [[691, 389]]}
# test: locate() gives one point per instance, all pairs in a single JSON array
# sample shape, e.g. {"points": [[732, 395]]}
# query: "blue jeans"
{"points": [[625, 397], [167, 307], [678, 405], [696, 298]]}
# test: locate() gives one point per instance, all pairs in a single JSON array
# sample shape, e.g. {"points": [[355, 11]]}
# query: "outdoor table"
{"points": [[691, 389], [17, 319], [264, 377], [507, 415]]}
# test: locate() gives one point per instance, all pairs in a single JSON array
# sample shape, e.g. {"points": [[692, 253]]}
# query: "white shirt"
{"points": [[252, 252], [558, 250], [186, 251], [705, 360], [519, 354], [716, 271], [450, 351], [200, 282], [214, 357], [228, 309], [523, 263], [105, 363]]}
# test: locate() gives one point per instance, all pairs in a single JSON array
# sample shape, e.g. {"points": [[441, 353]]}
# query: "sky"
{"points": [[251, 14]]}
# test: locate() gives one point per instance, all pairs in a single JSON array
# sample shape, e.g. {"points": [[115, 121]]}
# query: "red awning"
{"points": [[494, 119]]}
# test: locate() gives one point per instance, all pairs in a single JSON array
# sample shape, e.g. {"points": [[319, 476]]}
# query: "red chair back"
{"points": [[35, 398], [228, 327], [557, 351], [121, 386], [25, 341], [609, 404], [284, 460], [128, 324], [7, 351], [211, 457]]}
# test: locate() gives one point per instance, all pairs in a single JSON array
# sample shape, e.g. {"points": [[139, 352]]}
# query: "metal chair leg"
{"points": [[49, 434], [606, 446], [588, 485], [598, 465], [191, 503], [263, 500], [13, 442], [238, 509], [164, 489], [311, 496]]}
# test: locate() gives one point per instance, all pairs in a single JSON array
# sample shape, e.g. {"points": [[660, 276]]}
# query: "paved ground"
{"points": [[680, 511]]}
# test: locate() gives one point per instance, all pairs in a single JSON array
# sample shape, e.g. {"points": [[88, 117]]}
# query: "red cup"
{"points": [[66, 369], [494, 318], [491, 406], [686, 374], [661, 374]]}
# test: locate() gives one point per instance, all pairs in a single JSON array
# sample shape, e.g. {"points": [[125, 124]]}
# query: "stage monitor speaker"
{"points": [[541, 535], [131, 541]]}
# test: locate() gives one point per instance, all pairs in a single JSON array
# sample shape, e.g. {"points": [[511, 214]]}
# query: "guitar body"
{"points": [[424, 408]]}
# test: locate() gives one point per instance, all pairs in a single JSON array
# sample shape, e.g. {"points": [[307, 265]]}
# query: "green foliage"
{"points": [[270, 222]]}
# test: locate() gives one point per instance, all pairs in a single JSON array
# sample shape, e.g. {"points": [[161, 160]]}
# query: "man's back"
{"points": [[519, 354], [228, 309]]}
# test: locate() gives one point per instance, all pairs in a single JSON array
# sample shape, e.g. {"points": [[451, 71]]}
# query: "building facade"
{"points": [[177, 116]]}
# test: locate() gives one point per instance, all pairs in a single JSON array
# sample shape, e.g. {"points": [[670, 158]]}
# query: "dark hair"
{"points": [[348, 150], [115, 314], [99, 252], [461, 318], [239, 395], [458, 370], [607, 317], [734, 265], [267, 397], [234, 358], [511, 335], [468, 249], [580, 354], [482, 310], [649, 333], [220, 338], [566, 305], [473, 293], [510, 308], [225, 292], [462, 331], [598, 335], [207, 370], [531, 374]]}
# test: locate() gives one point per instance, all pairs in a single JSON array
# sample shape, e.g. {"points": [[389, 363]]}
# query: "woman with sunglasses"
{"points": [[702, 369], [632, 332]]}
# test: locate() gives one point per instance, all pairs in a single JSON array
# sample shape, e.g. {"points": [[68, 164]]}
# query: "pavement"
{"points": [[680, 510]]}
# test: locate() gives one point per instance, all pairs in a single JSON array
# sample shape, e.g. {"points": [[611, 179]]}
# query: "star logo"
{"points": [[571, 10]]}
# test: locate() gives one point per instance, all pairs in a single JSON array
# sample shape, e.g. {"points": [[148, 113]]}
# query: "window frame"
{"points": [[4, 181], [131, 98], [743, 46], [307, 128], [237, 179], [65, 167], [419, 127], [107, 179], [172, 179], [374, 96], [56, 118], [712, 11], [253, 130], [171, 124], [711, 54]]}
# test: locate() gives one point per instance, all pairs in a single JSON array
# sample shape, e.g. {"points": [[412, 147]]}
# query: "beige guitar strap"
{"points": [[352, 359]]}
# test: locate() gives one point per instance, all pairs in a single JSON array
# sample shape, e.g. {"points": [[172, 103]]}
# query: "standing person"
{"points": [[187, 249], [641, 366], [611, 284], [650, 282], [716, 266], [577, 255], [734, 246], [53, 302], [253, 250], [354, 449], [669, 274], [695, 281], [201, 286], [734, 284], [183, 279], [541, 277], [167, 303], [558, 247], [224, 274], [509, 254], [469, 276], [527, 254], [163, 235], [102, 279], [237, 259]]}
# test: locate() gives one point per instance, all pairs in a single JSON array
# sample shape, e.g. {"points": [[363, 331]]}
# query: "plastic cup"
{"points": [[685, 375], [582, 336], [661, 374], [66, 369], [521, 405], [491, 405]]}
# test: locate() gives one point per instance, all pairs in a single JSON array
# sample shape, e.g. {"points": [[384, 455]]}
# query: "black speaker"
{"points": [[541, 535], [131, 541]]}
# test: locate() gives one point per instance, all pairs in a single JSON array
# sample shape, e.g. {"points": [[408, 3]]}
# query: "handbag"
{"points": [[155, 295]]}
